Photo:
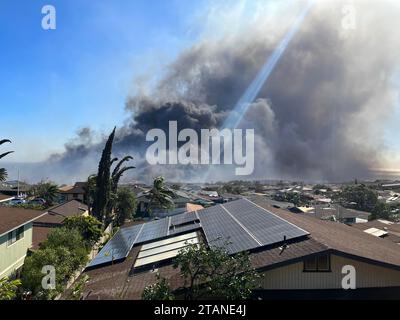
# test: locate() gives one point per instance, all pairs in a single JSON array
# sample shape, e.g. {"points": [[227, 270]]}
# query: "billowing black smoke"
{"points": [[319, 116]]}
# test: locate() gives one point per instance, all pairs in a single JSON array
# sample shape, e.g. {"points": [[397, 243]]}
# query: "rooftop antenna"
{"points": [[284, 246]]}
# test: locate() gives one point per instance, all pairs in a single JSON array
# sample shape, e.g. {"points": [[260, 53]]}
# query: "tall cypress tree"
{"points": [[103, 183]]}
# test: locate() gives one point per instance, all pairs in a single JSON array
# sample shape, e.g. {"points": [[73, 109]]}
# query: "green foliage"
{"points": [[70, 239], [364, 198], [8, 288], [88, 226], [103, 183], [64, 249], [214, 273], [3, 172], [105, 192], [160, 196], [296, 198], [32, 271], [381, 211], [125, 205], [90, 190], [46, 190], [115, 177], [30, 206], [158, 291]]}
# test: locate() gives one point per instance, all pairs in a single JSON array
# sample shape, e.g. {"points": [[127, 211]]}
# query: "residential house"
{"points": [[54, 218], [296, 255], [14, 188], [75, 192], [16, 226], [335, 212]]}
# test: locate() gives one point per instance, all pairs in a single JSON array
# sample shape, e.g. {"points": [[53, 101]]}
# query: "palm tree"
{"points": [[160, 196], [115, 177], [118, 172], [47, 191], [3, 172]]}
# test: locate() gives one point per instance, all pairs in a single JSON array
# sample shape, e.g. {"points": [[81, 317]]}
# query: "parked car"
{"points": [[38, 201], [17, 201]]}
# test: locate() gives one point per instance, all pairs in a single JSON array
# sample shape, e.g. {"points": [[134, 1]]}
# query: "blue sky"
{"points": [[53, 82]]}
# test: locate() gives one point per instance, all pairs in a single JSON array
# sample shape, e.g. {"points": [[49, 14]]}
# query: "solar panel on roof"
{"points": [[245, 225], [184, 228], [153, 230], [219, 227], [265, 226], [183, 218], [118, 246]]}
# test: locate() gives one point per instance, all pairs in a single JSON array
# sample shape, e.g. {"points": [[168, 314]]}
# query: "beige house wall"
{"points": [[293, 277], [12, 256]]}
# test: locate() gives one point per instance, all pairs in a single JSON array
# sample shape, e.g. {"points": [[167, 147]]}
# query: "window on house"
{"points": [[15, 235], [320, 263]]}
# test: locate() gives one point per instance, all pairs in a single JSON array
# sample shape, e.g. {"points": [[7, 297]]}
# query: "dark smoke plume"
{"points": [[319, 116]]}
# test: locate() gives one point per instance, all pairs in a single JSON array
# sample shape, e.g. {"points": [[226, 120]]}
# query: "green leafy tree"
{"points": [[88, 226], [48, 191], [8, 288], [32, 275], [381, 211], [64, 249], [3, 171], [158, 291], [125, 206], [214, 273], [160, 197], [90, 190], [364, 198], [70, 239]]}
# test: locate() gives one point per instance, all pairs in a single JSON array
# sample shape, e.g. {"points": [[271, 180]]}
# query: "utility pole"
{"points": [[18, 185]]}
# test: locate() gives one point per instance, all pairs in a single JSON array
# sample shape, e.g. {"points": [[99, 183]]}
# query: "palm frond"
{"points": [[5, 153], [118, 166], [4, 141]]}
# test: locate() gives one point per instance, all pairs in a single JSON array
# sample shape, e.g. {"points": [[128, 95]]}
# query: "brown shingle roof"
{"points": [[11, 218], [340, 237], [295, 250], [5, 197], [39, 235], [57, 214], [78, 187]]}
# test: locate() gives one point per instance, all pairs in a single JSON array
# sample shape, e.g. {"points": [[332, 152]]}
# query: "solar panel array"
{"points": [[118, 247], [220, 228], [265, 226], [183, 218], [245, 225], [154, 230], [184, 228], [238, 225]]}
